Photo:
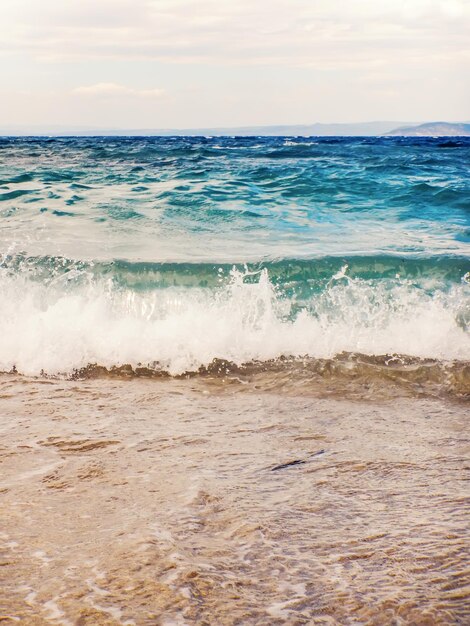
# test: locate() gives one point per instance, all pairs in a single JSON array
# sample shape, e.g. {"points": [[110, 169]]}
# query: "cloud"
{"points": [[320, 33], [235, 61], [109, 90]]}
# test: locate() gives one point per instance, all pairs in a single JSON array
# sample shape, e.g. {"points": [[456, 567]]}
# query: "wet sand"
{"points": [[158, 502]]}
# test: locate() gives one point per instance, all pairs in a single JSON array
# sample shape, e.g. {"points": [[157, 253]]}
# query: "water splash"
{"points": [[79, 317]]}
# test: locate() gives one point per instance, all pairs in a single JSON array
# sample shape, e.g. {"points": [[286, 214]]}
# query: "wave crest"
{"points": [[81, 317]]}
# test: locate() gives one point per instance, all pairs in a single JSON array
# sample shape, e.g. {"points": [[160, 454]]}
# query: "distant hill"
{"points": [[433, 129], [299, 130], [370, 129]]}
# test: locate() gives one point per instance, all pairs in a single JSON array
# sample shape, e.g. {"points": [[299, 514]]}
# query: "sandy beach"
{"points": [[208, 501]]}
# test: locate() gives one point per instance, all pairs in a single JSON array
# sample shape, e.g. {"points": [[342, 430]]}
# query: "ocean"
{"points": [[235, 374], [169, 253]]}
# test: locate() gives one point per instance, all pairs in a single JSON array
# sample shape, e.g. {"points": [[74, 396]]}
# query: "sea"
{"points": [[170, 253], [235, 379]]}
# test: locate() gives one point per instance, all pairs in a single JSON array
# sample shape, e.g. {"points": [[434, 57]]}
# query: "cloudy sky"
{"points": [[206, 63]]}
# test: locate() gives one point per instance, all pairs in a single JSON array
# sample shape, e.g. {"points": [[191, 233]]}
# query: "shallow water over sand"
{"points": [[203, 501]]}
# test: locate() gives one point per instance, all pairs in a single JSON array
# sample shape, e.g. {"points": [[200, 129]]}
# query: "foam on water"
{"points": [[79, 319]]}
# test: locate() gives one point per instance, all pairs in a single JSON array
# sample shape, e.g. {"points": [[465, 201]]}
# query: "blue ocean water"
{"points": [[171, 252]]}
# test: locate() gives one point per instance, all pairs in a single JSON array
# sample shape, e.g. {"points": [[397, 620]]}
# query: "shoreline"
{"points": [[347, 375]]}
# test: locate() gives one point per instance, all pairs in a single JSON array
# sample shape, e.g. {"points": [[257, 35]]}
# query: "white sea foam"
{"points": [[63, 326]]}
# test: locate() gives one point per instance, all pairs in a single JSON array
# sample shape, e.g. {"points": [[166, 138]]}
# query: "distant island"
{"points": [[366, 129], [433, 129]]}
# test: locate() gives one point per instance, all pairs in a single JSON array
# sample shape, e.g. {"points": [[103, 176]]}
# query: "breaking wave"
{"points": [[59, 317]]}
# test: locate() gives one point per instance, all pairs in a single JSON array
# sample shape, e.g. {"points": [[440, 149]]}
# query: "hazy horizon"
{"points": [[374, 128]]}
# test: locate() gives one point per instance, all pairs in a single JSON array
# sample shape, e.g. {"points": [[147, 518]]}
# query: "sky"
{"points": [[208, 63]]}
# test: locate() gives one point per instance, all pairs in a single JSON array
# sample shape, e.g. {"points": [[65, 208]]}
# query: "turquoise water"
{"points": [[172, 252]]}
